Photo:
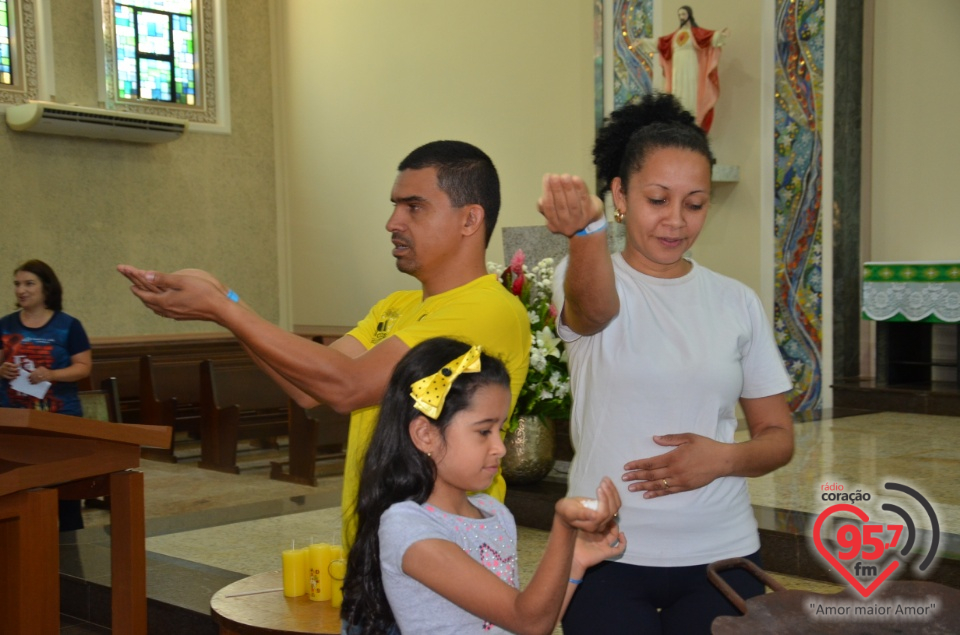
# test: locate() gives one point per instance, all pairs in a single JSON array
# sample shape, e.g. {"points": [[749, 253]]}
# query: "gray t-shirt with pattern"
{"points": [[491, 541]]}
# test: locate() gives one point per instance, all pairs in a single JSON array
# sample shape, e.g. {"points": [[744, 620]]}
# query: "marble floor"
{"points": [[214, 528]]}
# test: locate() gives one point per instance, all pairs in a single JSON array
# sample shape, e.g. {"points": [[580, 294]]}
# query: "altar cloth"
{"points": [[911, 291]]}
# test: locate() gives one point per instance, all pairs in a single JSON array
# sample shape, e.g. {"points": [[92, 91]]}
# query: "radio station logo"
{"points": [[867, 551]]}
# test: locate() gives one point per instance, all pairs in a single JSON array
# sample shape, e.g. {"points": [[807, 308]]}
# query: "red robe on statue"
{"points": [[708, 81]]}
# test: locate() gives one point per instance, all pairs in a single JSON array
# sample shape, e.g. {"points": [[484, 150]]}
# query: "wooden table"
{"points": [[41, 453], [270, 613]]}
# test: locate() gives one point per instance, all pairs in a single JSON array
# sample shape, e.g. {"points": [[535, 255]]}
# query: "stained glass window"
{"points": [[167, 58], [6, 71], [155, 51], [26, 52]]}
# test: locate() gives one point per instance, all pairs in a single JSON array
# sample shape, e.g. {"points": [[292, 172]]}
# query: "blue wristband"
{"points": [[233, 295], [575, 581], [598, 225]]}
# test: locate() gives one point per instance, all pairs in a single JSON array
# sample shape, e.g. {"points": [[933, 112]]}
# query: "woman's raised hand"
{"points": [[567, 204]]}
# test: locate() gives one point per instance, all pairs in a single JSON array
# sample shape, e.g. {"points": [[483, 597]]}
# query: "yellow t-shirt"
{"points": [[479, 312]]}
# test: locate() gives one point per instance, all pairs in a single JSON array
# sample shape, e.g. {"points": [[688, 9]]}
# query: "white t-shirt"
{"points": [[677, 358], [492, 541]]}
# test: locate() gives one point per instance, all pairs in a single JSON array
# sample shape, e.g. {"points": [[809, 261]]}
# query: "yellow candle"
{"points": [[306, 570], [320, 556], [338, 571], [294, 570]]}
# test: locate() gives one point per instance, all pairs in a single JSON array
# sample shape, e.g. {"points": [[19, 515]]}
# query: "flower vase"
{"points": [[530, 449]]}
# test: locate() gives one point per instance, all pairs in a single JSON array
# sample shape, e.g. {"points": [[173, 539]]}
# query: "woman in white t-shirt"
{"points": [[662, 350]]}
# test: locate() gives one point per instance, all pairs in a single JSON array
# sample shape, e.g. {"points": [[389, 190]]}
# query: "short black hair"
{"points": [[465, 173], [52, 291]]}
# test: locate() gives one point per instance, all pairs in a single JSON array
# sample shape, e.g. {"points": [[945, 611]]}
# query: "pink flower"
{"points": [[517, 288], [553, 311], [516, 263]]}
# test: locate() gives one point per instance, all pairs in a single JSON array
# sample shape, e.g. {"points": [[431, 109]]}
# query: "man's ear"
{"points": [[424, 434], [474, 220]]}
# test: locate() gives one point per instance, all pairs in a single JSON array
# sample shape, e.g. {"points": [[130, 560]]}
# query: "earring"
{"points": [[618, 216], [429, 454]]}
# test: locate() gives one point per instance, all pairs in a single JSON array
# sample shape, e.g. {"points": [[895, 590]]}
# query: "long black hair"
{"points": [[395, 470], [634, 130], [52, 291], [689, 15]]}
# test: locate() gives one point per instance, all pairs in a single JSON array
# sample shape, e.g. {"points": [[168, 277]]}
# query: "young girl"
{"points": [[428, 557]]}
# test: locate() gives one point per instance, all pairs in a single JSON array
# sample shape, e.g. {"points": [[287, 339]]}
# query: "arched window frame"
{"points": [[212, 113], [31, 53]]}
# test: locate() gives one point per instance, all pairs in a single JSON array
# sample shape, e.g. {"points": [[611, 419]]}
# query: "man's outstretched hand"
{"points": [[188, 294]]}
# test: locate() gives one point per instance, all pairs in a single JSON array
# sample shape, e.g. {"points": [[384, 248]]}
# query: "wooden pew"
{"points": [[170, 395], [317, 434], [124, 373], [120, 357], [158, 400], [101, 404], [237, 402]]}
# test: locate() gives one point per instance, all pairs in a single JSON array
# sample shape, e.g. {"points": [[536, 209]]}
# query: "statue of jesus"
{"points": [[689, 58]]}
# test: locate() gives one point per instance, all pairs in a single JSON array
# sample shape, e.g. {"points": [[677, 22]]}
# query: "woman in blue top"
{"points": [[42, 344]]}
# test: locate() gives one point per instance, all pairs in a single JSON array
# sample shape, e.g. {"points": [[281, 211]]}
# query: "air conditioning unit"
{"points": [[95, 123]]}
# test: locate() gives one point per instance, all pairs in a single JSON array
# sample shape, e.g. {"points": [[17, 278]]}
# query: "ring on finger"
{"points": [[665, 484]]}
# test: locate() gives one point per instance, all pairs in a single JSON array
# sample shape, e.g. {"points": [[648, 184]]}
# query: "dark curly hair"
{"points": [[465, 173], [52, 291], [395, 470], [632, 131]]}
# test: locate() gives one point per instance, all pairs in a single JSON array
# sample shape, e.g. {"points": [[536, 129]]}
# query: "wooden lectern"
{"points": [[41, 453]]}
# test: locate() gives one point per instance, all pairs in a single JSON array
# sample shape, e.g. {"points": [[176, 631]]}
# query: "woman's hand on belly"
{"points": [[693, 462]]}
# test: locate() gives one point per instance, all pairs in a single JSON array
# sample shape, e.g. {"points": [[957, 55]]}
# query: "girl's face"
{"points": [[469, 458], [29, 290], [665, 206]]}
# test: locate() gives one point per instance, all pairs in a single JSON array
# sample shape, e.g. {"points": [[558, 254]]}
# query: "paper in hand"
{"points": [[22, 384]]}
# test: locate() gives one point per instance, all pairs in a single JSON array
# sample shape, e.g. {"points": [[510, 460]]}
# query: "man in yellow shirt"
{"points": [[446, 200]]}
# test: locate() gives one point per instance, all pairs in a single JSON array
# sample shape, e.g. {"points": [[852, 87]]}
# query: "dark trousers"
{"points": [[616, 599]]}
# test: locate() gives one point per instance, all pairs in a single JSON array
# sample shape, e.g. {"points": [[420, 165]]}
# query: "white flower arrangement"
{"points": [[546, 391]]}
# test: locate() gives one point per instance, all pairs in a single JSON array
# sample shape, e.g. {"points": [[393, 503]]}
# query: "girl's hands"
{"points": [[576, 515], [594, 548]]}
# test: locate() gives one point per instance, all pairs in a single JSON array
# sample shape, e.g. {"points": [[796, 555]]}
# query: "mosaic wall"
{"points": [[632, 68], [798, 297]]}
